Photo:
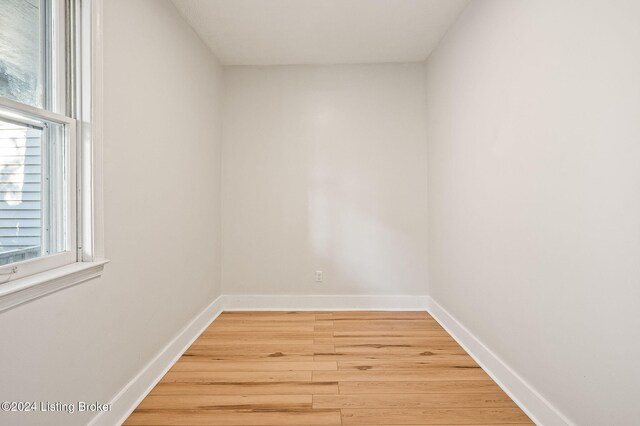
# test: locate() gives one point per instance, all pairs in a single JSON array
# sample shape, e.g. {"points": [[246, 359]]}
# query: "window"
{"points": [[35, 202], [48, 136]]}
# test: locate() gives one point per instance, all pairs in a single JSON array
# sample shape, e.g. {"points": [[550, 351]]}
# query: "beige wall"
{"points": [[162, 213], [534, 194], [324, 169]]}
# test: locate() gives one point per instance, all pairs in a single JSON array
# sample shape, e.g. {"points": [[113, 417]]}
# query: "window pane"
{"points": [[21, 51], [32, 207]]}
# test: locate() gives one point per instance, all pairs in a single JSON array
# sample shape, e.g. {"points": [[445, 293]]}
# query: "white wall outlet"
{"points": [[318, 276]]}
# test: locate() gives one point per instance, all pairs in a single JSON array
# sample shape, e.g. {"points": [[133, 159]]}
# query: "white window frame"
{"points": [[24, 114], [22, 282]]}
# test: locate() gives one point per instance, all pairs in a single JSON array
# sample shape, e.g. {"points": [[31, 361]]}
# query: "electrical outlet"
{"points": [[318, 276]]}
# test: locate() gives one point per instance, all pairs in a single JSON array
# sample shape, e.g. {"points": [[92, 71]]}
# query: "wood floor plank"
{"points": [[381, 325], [373, 365], [234, 418], [435, 386], [387, 318], [448, 424], [262, 335], [237, 377], [246, 388], [276, 318], [417, 350], [266, 348], [373, 340], [443, 373], [255, 340], [280, 315], [254, 366], [235, 402], [434, 332], [380, 315], [294, 328], [434, 416], [265, 323], [392, 357], [417, 400], [251, 357]]}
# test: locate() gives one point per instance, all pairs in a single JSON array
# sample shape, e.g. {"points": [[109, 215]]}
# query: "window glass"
{"points": [[32, 190], [22, 62]]}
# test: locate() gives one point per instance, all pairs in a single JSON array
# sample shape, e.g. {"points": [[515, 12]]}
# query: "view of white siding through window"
{"points": [[21, 52], [21, 213]]}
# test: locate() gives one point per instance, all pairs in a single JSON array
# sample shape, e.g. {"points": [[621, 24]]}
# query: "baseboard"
{"points": [[532, 403], [123, 404], [253, 302]]}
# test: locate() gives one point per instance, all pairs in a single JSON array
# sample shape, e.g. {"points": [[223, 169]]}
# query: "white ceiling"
{"points": [[276, 32]]}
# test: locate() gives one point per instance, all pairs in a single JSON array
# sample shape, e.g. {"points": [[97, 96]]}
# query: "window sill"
{"points": [[25, 289]]}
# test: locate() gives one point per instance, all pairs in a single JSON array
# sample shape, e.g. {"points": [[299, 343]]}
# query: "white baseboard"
{"points": [[532, 403], [123, 404], [298, 302]]}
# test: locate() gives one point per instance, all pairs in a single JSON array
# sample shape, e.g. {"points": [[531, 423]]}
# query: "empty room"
{"points": [[319, 212]]}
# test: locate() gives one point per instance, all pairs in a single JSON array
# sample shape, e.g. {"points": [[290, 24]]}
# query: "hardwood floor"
{"points": [[326, 368]]}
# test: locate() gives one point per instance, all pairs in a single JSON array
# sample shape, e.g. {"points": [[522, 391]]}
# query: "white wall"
{"points": [[534, 194], [162, 169], [324, 169]]}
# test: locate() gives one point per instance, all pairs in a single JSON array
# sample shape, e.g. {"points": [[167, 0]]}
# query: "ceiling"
{"points": [[278, 32]]}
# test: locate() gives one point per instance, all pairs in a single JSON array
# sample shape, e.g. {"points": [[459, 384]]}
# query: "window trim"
{"points": [[91, 167], [86, 260], [29, 288]]}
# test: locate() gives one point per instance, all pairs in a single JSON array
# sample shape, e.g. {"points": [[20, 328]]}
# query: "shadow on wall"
{"points": [[359, 226]]}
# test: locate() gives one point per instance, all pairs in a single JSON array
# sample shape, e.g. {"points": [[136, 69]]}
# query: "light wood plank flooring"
{"points": [[326, 368]]}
